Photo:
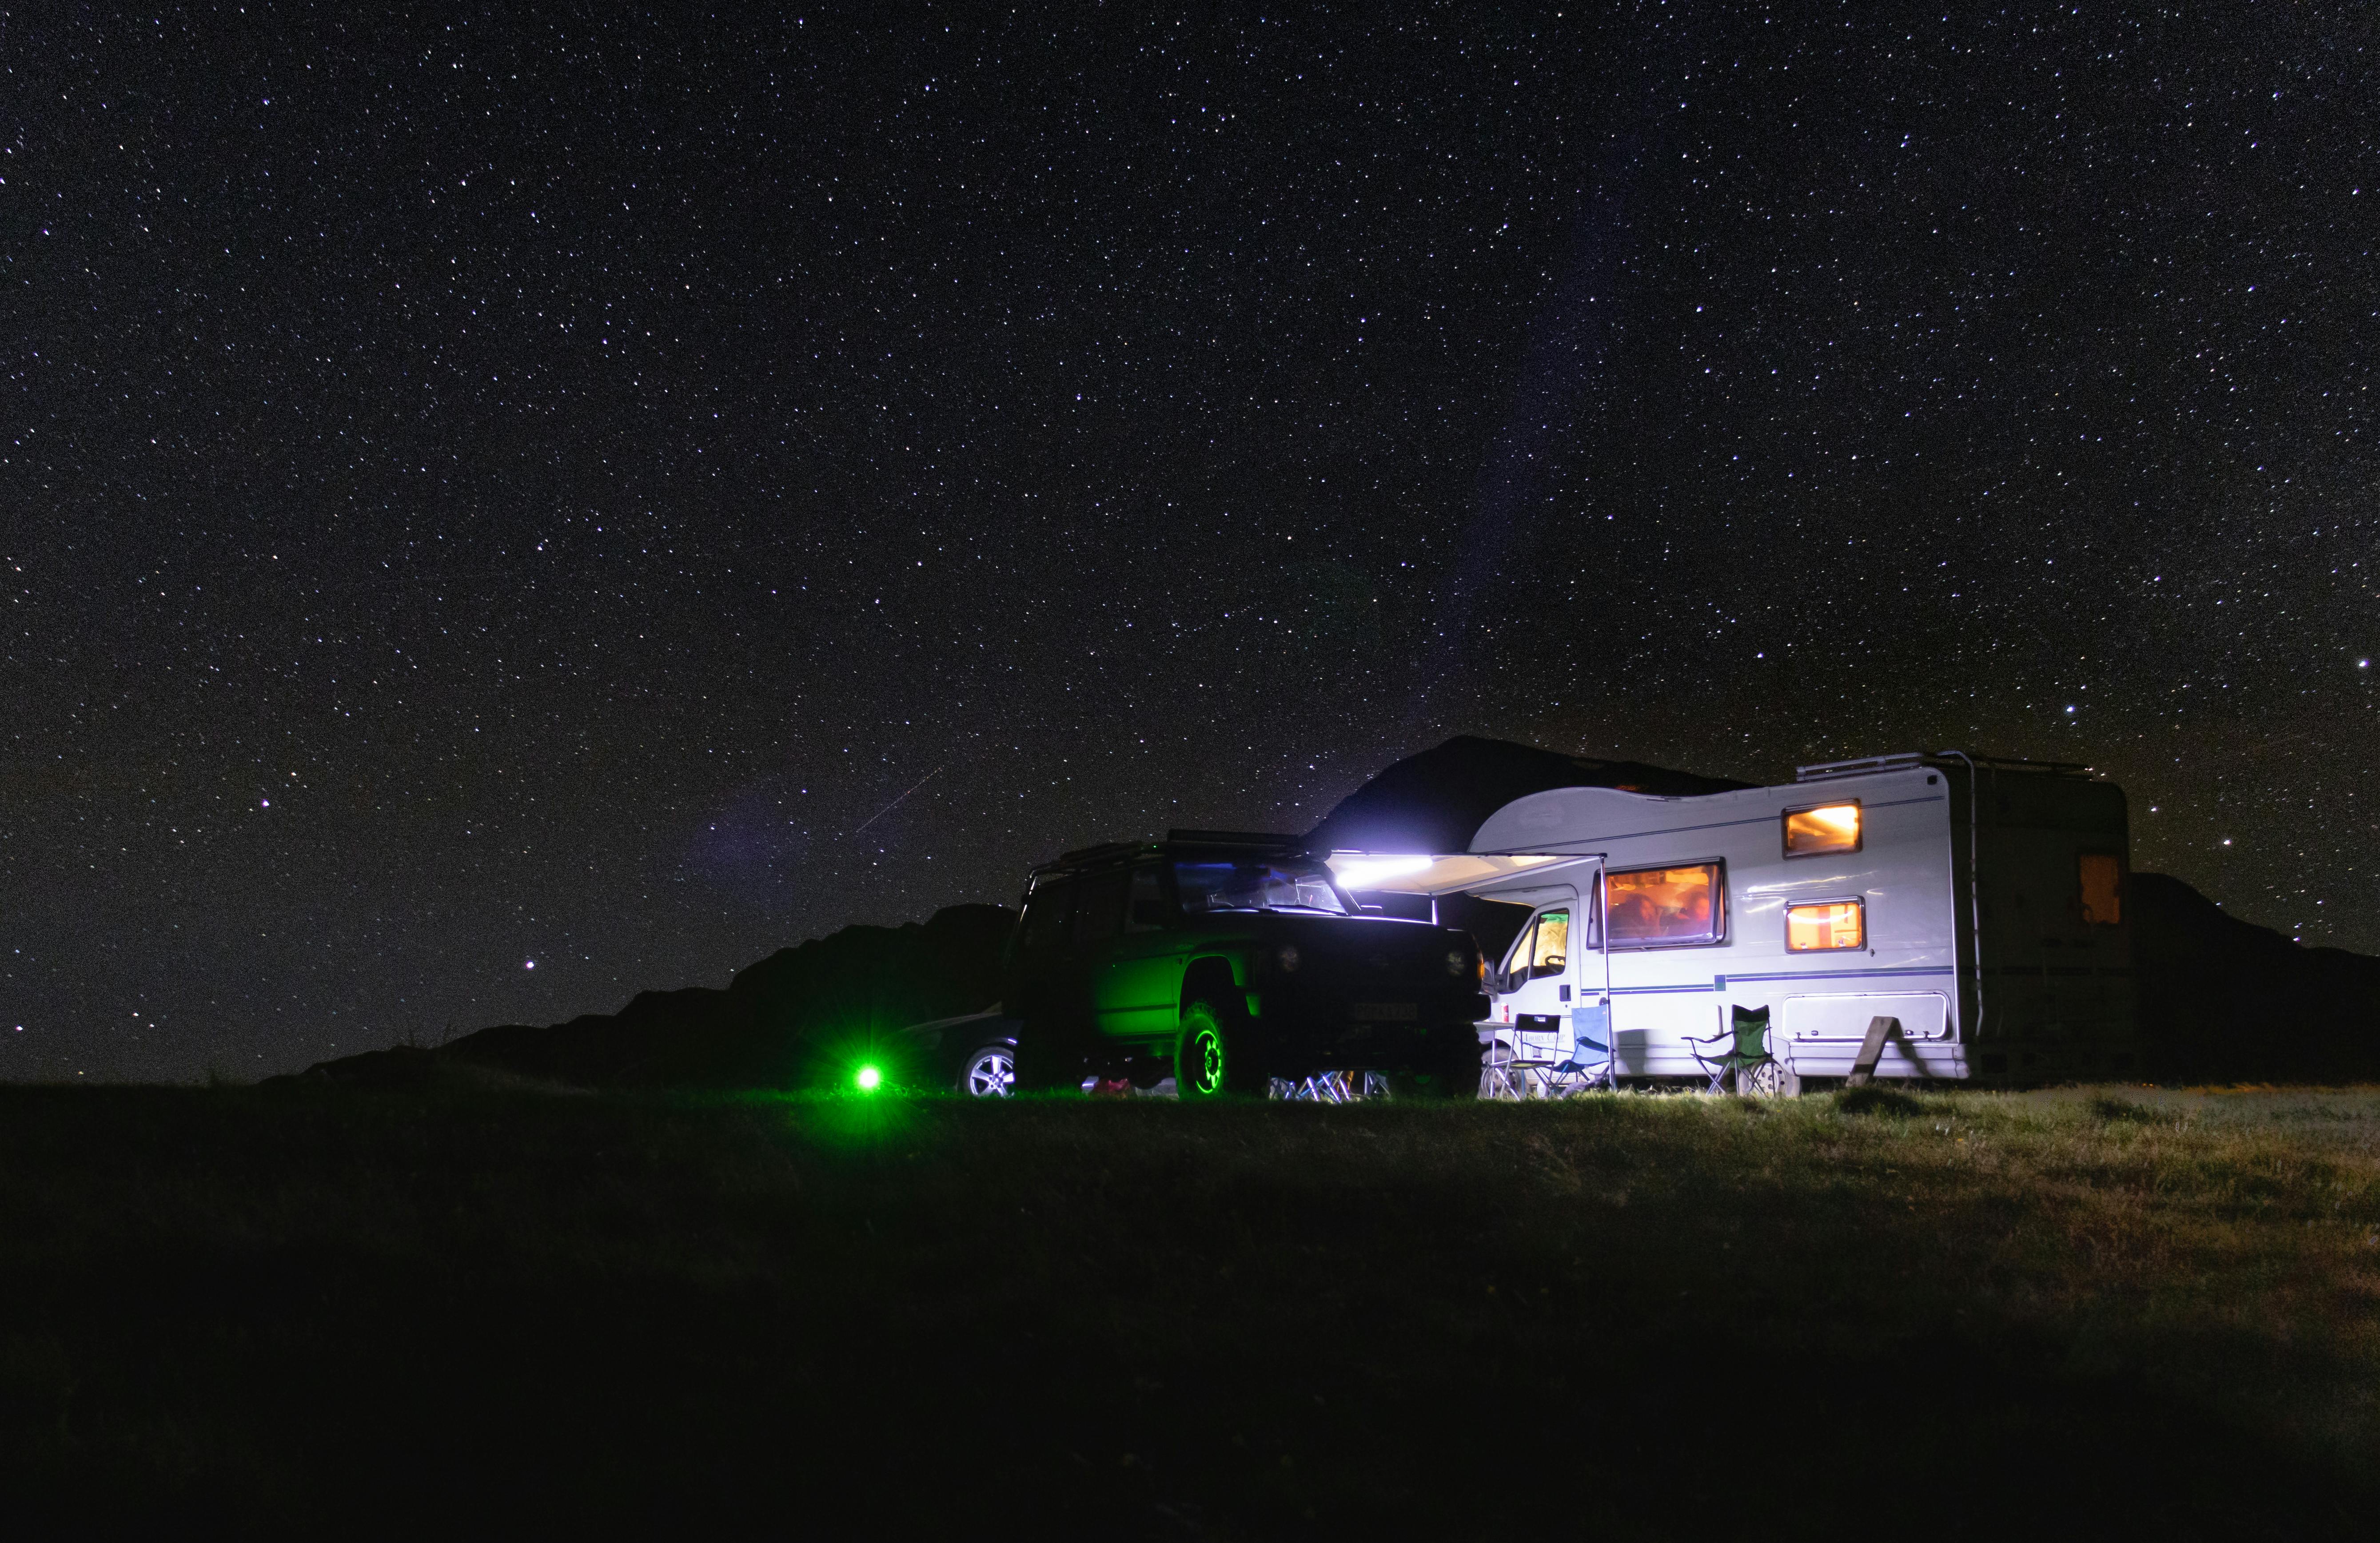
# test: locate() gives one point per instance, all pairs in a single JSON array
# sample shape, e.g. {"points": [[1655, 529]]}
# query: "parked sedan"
{"points": [[973, 1054]]}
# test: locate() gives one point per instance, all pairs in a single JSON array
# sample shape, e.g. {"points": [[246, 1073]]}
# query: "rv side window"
{"points": [[1823, 924], [1046, 914], [1653, 906], [2103, 888], [1833, 827]]}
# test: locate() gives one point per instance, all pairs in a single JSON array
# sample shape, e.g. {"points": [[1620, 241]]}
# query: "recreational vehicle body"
{"points": [[1979, 903]]}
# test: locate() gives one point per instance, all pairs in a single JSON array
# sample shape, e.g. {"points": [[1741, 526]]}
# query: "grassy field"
{"points": [[2121, 1310]]}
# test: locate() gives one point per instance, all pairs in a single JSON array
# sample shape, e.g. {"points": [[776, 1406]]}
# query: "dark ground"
{"points": [[330, 1308]]}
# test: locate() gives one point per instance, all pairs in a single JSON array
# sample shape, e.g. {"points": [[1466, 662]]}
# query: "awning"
{"points": [[1445, 872]]}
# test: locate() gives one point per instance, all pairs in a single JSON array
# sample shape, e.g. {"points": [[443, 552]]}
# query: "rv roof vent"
{"points": [[1826, 769]]}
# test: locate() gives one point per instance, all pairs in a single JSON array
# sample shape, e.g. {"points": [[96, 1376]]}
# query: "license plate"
{"points": [[1384, 1012]]}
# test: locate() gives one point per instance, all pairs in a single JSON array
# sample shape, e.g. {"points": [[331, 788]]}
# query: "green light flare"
{"points": [[868, 1079]]}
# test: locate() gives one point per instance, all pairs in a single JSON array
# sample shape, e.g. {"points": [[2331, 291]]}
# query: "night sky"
{"points": [[630, 495]]}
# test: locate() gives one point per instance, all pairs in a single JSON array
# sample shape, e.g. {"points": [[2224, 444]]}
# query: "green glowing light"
{"points": [[869, 1079]]}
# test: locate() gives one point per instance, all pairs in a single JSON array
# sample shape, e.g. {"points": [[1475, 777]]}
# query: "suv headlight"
{"points": [[1287, 959]]}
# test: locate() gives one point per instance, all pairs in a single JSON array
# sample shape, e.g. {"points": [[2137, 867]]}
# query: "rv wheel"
{"points": [[1768, 1080]]}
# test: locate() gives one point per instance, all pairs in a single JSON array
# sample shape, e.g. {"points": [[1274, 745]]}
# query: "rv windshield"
{"points": [[1267, 884]]}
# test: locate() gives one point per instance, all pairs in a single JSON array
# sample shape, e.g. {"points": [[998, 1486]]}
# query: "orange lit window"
{"points": [[2103, 888], [1834, 829], [1826, 924], [1667, 905]]}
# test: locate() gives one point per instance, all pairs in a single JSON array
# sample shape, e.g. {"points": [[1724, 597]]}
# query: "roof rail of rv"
{"points": [[2015, 764], [1826, 770]]}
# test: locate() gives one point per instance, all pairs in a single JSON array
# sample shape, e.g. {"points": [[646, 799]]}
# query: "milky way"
{"points": [[627, 497]]}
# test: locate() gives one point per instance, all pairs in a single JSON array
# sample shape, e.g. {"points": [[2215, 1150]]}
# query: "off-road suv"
{"points": [[1223, 960]]}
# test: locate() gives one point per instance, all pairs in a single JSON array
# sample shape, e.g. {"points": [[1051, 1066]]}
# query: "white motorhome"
{"points": [[1977, 902]]}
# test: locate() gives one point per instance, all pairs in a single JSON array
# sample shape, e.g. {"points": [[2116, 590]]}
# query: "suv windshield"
{"points": [[1255, 885]]}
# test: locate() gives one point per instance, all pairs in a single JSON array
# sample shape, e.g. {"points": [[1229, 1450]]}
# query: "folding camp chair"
{"points": [[1746, 1041], [1589, 1064], [1517, 1060]]}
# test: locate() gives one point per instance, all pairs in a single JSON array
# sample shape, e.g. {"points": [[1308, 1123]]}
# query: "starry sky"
{"points": [[502, 511]]}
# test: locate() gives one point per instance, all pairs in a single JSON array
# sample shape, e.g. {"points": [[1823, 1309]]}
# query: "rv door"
{"points": [[1535, 986]]}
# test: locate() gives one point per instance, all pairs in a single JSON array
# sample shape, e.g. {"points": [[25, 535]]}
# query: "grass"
{"points": [[293, 1309]]}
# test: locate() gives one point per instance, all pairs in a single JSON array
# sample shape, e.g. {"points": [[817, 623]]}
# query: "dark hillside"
{"points": [[1435, 801], [782, 1022], [2223, 1000]]}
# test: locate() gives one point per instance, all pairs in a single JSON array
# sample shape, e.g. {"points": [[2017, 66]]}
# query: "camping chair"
{"points": [[1517, 1061], [1746, 1041], [1589, 1063]]}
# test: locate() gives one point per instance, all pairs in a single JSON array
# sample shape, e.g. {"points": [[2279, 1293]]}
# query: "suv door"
{"points": [[1099, 923], [1140, 990]]}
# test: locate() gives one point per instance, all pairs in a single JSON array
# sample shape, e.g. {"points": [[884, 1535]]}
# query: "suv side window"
{"points": [[1146, 912], [1098, 906], [1046, 915]]}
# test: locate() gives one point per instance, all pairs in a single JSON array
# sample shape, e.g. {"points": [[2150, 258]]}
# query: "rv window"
{"points": [[1542, 949], [2103, 888], [1655, 906], [1834, 829], [1047, 912], [1826, 924]]}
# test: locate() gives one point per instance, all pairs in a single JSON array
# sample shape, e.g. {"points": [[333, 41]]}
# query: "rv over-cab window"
{"points": [[2103, 888], [1825, 924], [1834, 827], [1652, 907]]}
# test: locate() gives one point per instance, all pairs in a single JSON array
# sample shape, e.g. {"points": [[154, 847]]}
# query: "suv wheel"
{"points": [[1213, 1057]]}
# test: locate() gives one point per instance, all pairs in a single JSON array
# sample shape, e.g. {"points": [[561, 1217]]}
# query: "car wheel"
{"points": [[990, 1072], [1767, 1079], [1211, 1057]]}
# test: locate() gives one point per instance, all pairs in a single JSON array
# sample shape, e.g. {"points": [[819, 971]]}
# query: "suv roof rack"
{"points": [[1093, 854], [1825, 770], [1270, 843]]}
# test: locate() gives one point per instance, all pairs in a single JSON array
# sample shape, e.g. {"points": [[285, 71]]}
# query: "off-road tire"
{"points": [[1213, 1058]]}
